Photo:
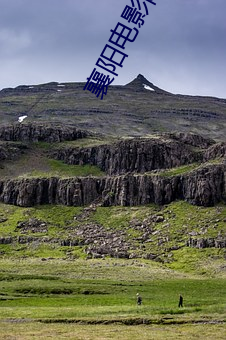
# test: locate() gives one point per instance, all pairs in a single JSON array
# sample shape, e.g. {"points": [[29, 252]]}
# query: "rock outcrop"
{"points": [[11, 151], [132, 166], [37, 132], [215, 151], [131, 155], [219, 242], [191, 139], [205, 186]]}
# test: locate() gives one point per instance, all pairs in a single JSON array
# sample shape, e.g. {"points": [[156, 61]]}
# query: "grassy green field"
{"points": [[52, 291], [96, 299], [110, 332]]}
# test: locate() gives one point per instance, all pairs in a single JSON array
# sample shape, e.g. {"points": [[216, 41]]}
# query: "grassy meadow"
{"points": [[52, 291], [96, 299]]}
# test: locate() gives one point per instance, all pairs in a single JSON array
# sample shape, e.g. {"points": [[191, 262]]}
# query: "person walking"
{"points": [[180, 301], [139, 299]]}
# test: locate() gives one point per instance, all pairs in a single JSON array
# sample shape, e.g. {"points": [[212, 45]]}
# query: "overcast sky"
{"points": [[180, 48]]}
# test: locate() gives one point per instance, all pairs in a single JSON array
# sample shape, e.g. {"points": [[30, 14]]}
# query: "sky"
{"points": [[181, 47]]}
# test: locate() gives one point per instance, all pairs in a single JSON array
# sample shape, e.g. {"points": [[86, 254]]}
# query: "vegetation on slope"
{"points": [[35, 162], [167, 243]]}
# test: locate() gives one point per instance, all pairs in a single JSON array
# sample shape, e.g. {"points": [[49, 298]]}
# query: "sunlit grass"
{"points": [[60, 169], [56, 289], [36, 331]]}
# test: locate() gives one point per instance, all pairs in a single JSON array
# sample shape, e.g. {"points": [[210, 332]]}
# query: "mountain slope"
{"points": [[130, 110], [42, 164]]}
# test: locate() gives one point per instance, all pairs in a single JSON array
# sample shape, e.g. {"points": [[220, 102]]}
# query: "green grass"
{"points": [[119, 217], [180, 170], [60, 169], [87, 142], [12, 215], [36, 163], [96, 299], [67, 291], [181, 221], [55, 216], [184, 169], [203, 261], [36, 331]]}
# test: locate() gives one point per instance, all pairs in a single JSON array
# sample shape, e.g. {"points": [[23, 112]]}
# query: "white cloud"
{"points": [[180, 48]]}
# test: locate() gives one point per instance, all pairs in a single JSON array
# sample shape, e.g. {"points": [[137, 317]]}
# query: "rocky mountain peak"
{"points": [[140, 83], [141, 77]]}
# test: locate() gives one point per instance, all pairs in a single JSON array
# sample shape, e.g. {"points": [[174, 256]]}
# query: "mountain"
{"points": [[138, 108], [140, 83], [109, 178], [100, 200], [90, 195]]}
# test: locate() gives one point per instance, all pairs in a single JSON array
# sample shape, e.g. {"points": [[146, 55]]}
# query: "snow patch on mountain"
{"points": [[148, 87], [21, 118]]}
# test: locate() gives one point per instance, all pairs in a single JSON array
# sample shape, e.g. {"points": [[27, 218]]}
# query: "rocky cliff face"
{"points": [[11, 151], [201, 243], [205, 187], [191, 139], [215, 151], [125, 163], [131, 155], [35, 133]]}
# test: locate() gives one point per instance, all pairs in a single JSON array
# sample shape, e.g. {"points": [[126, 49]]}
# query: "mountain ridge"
{"points": [[138, 108]]}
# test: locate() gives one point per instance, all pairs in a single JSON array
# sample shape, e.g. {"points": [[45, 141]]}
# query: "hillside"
{"points": [[83, 193], [100, 200], [129, 172], [136, 109]]}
